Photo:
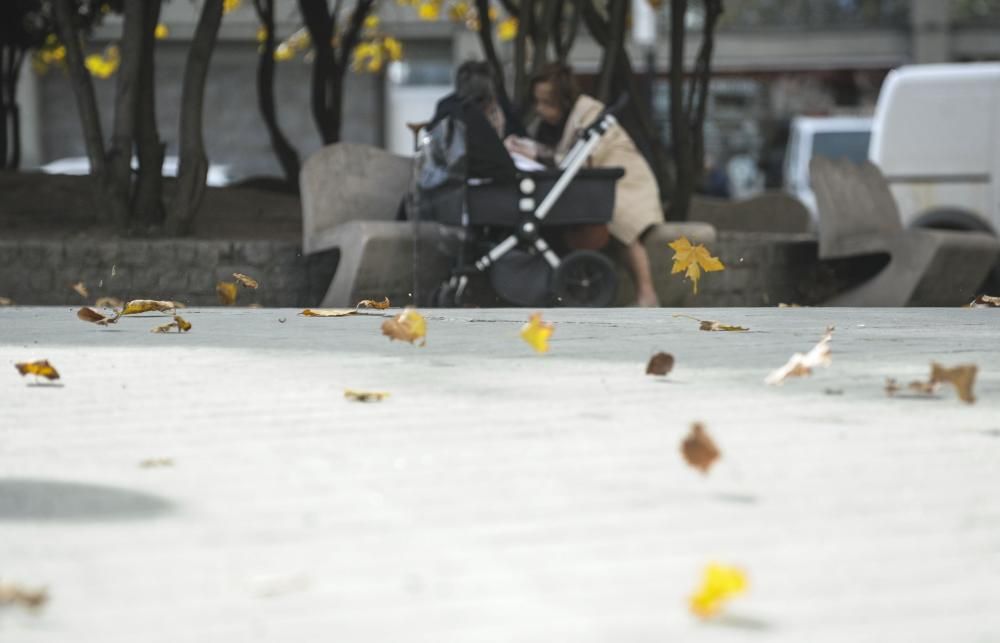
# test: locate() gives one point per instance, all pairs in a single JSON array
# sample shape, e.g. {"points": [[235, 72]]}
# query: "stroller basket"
{"points": [[589, 199]]}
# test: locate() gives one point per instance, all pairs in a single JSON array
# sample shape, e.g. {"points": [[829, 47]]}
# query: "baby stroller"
{"points": [[511, 219]]}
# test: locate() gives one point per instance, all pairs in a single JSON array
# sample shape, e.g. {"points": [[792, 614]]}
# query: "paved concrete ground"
{"points": [[498, 495]]}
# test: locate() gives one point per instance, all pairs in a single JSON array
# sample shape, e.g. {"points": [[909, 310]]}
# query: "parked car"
{"points": [[218, 175], [835, 137], [937, 141]]}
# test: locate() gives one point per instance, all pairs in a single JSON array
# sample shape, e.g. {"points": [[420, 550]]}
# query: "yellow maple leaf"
{"points": [[40, 368], [537, 333], [139, 306], [226, 290], [693, 259], [719, 583], [408, 326]]}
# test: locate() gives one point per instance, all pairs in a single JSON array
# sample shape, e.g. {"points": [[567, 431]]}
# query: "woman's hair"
{"points": [[474, 82], [563, 82]]}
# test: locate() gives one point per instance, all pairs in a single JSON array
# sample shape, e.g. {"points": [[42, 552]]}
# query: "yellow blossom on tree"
{"points": [[693, 259], [261, 33], [371, 21], [230, 5], [161, 31], [393, 48], [458, 11], [105, 64], [507, 29], [429, 10], [283, 52]]}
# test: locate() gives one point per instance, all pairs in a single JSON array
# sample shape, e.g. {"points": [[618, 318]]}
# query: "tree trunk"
{"points": [[617, 14], [283, 150], [147, 203], [119, 154], [193, 170], [320, 27], [700, 83], [489, 50], [524, 23], [86, 104], [679, 124], [564, 40], [7, 88]]}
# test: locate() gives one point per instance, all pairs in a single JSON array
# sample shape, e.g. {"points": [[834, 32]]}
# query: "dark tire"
{"points": [[585, 279]]}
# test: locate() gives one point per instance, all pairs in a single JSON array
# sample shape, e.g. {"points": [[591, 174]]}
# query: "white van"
{"points": [[835, 137], [936, 138]]}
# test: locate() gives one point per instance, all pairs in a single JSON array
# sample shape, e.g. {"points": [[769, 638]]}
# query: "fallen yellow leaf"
{"points": [[11, 594], [81, 289], [718, 585], [151, 463], [40, 368], [328, 312], [961, 377], [248, 282], [537, 333], [227, 292], [139, 306], [365, 396], [699, 449], [800, 365], [408, 326], [707, 324], [985, 301], [693, 259], [94, 317]]}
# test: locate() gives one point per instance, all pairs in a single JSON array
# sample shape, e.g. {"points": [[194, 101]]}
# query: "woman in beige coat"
{"points": [[564, 113]]}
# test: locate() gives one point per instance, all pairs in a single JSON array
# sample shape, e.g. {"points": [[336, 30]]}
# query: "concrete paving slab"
{"points": [[498, 494]]}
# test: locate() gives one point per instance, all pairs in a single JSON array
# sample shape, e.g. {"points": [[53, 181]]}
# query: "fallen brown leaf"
{"points": [[408, 326], [94, 317], [11, 594], [699, 449], [708, 324], [139, 306], [226, 290], [371, 303], [81, 289], [365, 396], [800, 365], [985, 301], [152, 463], [247, 281], [660, 364], [328, 312], [962, 377], [109, 302], [179, 323], [6, 301], [40, 368]]}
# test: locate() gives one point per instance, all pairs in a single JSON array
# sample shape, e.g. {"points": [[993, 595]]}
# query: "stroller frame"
{"points": [[584, 277]]}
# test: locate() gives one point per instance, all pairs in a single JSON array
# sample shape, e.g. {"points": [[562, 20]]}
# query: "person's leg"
{"points": [[637, 260]]}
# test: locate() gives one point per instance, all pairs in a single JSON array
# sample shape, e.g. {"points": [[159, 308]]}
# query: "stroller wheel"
{"points": [[586, 279], [444, 295]]}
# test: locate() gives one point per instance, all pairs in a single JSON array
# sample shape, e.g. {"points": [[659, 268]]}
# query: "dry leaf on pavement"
{"points": [[81, 289], [40, 368], [152, 463], [408, 326], [537, 333], [11, 594], [985, 301], [660, 364], [800, 365], [962, 377], [718, 585], [139, 306], [371, 303], [226, 290], [181, 324], [699, 449], [109, 302], [94, 317], [6, 301], [247, 281], [365, 396], [344, 312], [692, 260], [708, 324]]}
